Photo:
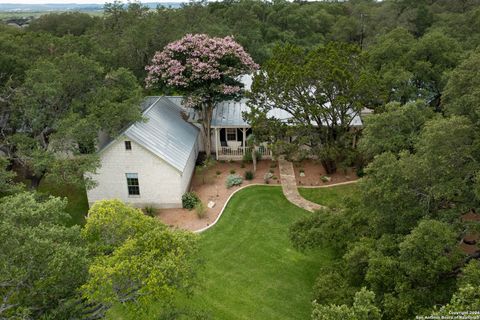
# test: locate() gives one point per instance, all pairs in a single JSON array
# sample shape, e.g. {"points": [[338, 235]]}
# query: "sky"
{"points": [[74, 1]]}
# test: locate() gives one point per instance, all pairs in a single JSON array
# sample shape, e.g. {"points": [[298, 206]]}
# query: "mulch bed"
{"points": [[212, 188], [314, 172]]}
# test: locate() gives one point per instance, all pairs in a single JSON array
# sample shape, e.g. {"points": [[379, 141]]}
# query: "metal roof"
{"points": [[165, 133], [230, 114]]}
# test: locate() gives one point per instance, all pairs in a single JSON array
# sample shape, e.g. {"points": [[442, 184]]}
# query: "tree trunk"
{"points": [[254, 158], [207, 110], [329, 165], [35, 181]]}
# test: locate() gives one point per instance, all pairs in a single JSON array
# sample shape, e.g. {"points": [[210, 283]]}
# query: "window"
{"points": [[231, 134], [132, 184], [128, 145]]}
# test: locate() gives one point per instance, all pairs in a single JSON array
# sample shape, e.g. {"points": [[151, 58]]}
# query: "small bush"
{"points": [[242, 165], [271, 171], [149, 211], [274, 178], [201, 210], [190, 200], [247, 157], [267, 177], [325, 179], [302, 171], [218, 172], [360, 172], [273, 165], [249, 175], [232, 171], [233, 180]]}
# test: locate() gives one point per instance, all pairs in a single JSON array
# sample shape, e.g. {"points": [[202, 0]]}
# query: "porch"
{"points": [[230, 143]]}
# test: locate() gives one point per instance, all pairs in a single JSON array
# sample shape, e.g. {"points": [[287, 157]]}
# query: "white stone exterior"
{"points": [[161, 185]]}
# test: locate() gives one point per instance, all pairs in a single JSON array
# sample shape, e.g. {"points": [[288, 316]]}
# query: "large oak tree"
{"points": [[319, 93]]}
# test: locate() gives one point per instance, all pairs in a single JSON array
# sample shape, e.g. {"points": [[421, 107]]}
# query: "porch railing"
{"points": [[227, 153]]}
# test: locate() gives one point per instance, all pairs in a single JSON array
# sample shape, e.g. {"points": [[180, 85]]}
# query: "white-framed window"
{"points": [[128, 145], [132, 184], [231, 134]]}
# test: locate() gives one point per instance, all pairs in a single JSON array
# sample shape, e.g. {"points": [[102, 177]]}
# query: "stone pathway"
{"points": [[290, 190]]}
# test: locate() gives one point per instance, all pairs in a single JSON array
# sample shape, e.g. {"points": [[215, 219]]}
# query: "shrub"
{"points": [[203, 169], [271, 171], [274, 178], [325, 179], [247, 157], [360, 172], [267, 177], [273, 165], [190, 200], [302, 171], [232, 171], [242, 165], [201, 210], [249, 175], [149, 211], [233, 180], [218, 172]]}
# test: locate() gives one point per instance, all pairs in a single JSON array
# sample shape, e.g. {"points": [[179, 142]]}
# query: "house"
{"points": [[151, 163]]}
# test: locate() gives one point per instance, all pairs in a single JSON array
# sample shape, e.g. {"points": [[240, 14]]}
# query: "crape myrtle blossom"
{"points": [[205, 69]]}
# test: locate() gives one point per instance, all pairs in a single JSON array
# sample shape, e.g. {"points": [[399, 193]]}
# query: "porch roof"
{"points": [[229, 114]]}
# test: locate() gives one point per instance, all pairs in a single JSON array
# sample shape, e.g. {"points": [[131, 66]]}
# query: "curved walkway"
{"points": [[290, 190]]}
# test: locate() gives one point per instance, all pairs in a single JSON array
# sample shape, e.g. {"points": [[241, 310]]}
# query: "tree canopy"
{"points": [[320, 92]]}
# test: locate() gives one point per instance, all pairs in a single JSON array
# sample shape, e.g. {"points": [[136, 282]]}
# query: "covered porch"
{"points": [[230, 132], [231, 144]]}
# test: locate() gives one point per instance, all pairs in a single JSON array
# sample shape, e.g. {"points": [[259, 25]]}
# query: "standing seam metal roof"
{"points": [[165, 133], [230, 113]]}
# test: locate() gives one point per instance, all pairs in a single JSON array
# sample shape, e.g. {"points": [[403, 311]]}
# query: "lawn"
{"points": [[330, 197], [251, 270]]}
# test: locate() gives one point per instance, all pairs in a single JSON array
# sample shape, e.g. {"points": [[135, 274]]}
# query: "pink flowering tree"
{"points": [[205, 70]]}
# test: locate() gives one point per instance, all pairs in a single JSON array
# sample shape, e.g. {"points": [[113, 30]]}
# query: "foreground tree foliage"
{"points": [[395, 129], [7, 183], [138, 260], [399, 235], [363, 309], [320, 91], [122, 256], [44, 262], [462, 91]]}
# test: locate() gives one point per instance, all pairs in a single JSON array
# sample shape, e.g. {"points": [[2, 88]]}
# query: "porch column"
{"points": [[216, 143], [244, 130]]}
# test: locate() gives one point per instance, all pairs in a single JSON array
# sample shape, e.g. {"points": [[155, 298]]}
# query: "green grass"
{"points": [[330, 197], [77, 205], [251, 270]]}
